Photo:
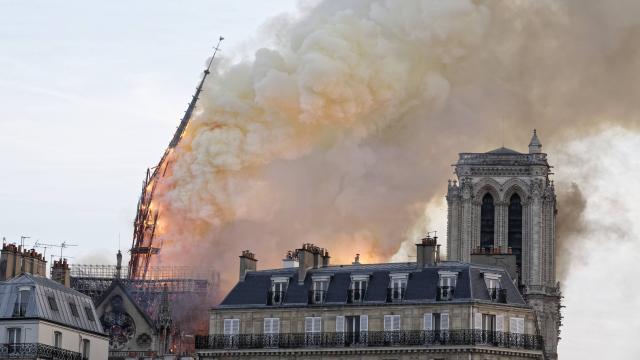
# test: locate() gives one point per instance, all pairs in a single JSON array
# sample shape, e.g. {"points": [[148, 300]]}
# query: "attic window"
{"points": [[74, 309], [89, 313], [496, 293], [446, 285], [22, 300], [52, 303]]}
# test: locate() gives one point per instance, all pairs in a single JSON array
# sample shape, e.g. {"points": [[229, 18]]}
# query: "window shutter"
{"points": [[387, 322], [236, 326], [521, 326], [477, 321], [444, 321], [339, 323], [308, 324], [364, 322], [267, 326], [428, 322], [500, 323], [227, 327], [317, 325], [275, 326]]}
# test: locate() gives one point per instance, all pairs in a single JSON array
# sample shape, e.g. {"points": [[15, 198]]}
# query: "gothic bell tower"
{"points": [[503, 205]]}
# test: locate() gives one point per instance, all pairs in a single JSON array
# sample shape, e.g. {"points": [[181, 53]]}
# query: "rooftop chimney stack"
{"points": [[310, 257], [325, 259], [61, 273], [248, 263], [427, 251], [290, 260]]}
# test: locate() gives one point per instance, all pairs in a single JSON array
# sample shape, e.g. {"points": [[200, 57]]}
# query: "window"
{"points": [[358, 288], [435, 321], [319, 292], [514, 236], [231, 327], [312, 330], [57, 339], [74, 309], [340, 324], [271, 332], [391, 322], [492, 281], [85, 348], [278, 290], [312, 324], [89, 312], [271, 325], [446, 285], [14, 337], [487, 217], [500, 323], [53, 305], [397, 287], [516, 325], [22, 301]]}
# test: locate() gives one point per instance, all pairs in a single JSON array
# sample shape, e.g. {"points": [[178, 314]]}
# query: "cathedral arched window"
{"points": [[515, 227], [487, 221]]}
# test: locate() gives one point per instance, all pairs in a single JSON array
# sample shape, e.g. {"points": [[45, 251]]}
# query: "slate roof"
{"points": [[504, 151], [421, 285], [38, 305]]}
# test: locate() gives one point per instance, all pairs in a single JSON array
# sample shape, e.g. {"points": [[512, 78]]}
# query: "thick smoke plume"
{"points": [[570, 229], [343, 130]]}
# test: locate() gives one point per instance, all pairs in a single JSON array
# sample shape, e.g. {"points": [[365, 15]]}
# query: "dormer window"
{"points": [[319, 290], [358, 288], [397, 287], [278, 290], [446, 285], [22, 301], [496, 293]]}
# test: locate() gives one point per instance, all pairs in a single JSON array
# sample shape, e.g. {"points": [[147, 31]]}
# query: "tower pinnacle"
{"points": [[535, 147]]}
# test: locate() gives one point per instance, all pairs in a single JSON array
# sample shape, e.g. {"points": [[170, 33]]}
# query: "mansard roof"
{"points": [[38, 305], [422, 285]]}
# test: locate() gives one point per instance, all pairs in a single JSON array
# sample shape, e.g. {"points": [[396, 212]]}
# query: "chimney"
{"points": [[427, 251], [290, 259], [61, 273], [325, 259], [248, 263], [305, 261]]}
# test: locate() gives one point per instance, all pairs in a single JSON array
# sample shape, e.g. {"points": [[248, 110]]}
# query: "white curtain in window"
{"points": [[339, 323], [312, 325], [271, 325], [231, 326], [516, 325], [427, 321], [364, 322], [391, 322], [499, 322], [444, 321], [477, 321]]}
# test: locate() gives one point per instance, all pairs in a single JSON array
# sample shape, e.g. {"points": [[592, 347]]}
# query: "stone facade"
{"points": [[503, 173]]}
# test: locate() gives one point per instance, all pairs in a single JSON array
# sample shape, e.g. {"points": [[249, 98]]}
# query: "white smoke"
{"points": [[342, 132]]}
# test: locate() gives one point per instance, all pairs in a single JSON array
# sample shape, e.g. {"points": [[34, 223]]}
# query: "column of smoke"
{"points": [[343, 130]]}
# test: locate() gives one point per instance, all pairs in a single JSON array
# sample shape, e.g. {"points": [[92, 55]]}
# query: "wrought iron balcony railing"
{"points": [[445, 293], [317, 296], [355, 295], [36, 351], [395, 294], [418, 338], [498, 295], [275, 297]]}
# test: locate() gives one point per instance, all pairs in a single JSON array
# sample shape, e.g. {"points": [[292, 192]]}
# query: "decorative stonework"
{"points": [[503, 173]]}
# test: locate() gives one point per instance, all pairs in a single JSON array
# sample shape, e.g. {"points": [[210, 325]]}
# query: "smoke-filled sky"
{"points": [[334, 123]]}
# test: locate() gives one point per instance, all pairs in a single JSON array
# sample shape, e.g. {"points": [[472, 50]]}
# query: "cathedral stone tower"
{"points": [[502, 209]]}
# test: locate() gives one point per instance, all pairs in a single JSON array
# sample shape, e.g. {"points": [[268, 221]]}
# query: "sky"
{"points": [[91, 95]]}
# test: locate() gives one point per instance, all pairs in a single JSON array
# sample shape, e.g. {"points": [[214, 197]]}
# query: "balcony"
{"points": [[36, 351], [317, 296], [275, 297], [355, 296], [364, 339], [445, 293], [498, 295], [396, 294]]}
